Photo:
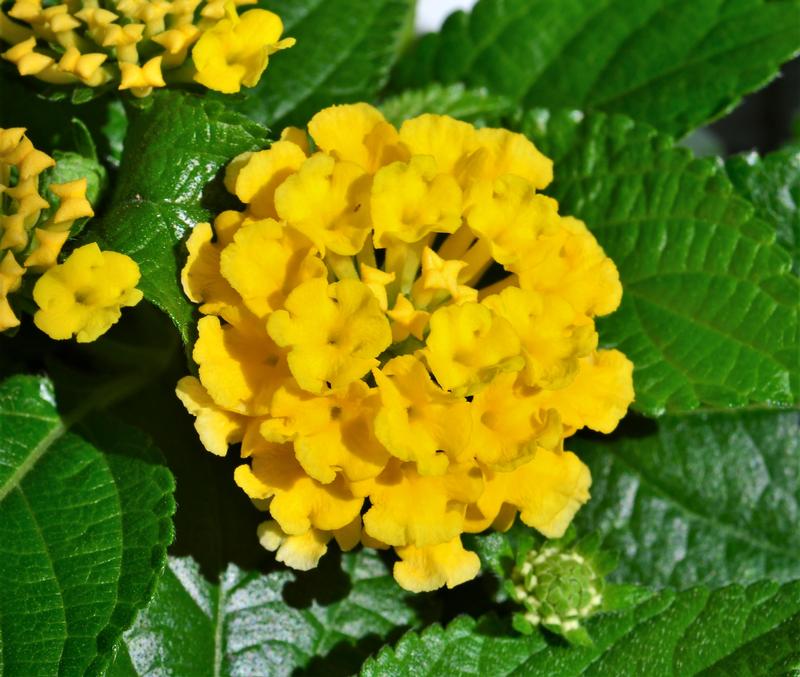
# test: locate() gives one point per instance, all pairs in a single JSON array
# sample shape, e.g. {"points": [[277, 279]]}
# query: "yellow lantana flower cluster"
{"points": [[141, 44], [398, 329], [28, 239]]}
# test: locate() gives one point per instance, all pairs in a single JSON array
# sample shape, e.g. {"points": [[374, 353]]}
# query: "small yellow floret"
{"points": [[417, 420], [328, 201], [334, 333], [552, 335], [216, 427], [410, 508], [236, 50], [469, 345], [330, 434], [265, 262], [84, 296], [411, 200]]}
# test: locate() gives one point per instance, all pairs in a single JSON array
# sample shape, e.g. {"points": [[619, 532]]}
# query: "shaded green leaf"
{"points": [[49, 122], [701, 499], [772, 184], [477, 106], [673, 63], [84, 526], [709, 314], [344, 51], [174, 150], [732, 631]]}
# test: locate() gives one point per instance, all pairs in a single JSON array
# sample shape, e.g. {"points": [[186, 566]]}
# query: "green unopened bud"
{"points": [[558, 588]]}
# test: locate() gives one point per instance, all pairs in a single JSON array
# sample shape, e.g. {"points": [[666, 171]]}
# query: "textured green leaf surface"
{"points": [[252, 623], [173, 152], [733, 631], [772, 184], [478, 105], [84, 525], [673, 63], [344, 51], [710, 499], [709, 314]]}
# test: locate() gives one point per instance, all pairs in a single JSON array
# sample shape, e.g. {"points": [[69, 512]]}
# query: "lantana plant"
{"points": [[498, 372]]}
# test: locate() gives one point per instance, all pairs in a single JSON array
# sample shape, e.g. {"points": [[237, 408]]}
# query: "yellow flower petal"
{"points": [[509, 423], [553, 336], [510, 217], [407, 320], [216, 427], [201, 278], [357, 133], [240, 367], [570, 264], [301, 552], [502, 152], [599, 396], [409, 508], [331, 434], [236, 52], [548, 491], [449, 141], [433, 566], [254, 177], [298, 502]]}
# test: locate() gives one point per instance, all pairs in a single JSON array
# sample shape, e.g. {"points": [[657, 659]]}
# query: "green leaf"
{"points": [[477, 106], [174, 150], [772, 184], [702, 499], [673, 63], [343, 54], [277, 623], [709, 314], [84, 526], [733, 631]]}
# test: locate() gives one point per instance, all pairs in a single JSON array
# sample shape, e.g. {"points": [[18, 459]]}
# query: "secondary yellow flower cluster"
{"points": [[141, 44], [29, 240], [398, 328]]}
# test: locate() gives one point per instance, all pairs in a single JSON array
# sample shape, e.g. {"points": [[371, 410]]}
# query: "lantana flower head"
{"points": [[138, 45], [399, 332]]}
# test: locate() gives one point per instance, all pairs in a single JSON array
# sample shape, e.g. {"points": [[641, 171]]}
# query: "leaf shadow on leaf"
{"points": [[346, 658], [633, 426], [325, 584]]}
